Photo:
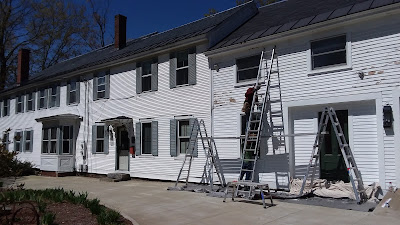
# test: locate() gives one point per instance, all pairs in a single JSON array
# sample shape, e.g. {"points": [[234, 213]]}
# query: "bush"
{"points": [[10, 166], [108, 217], [48, 218]]}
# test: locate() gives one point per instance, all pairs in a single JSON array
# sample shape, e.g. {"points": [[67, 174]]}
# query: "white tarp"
{"points": [[323, 188]]}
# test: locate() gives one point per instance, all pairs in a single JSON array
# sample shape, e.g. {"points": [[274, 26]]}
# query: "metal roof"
{"points": [[109, 53], [293, 14]]}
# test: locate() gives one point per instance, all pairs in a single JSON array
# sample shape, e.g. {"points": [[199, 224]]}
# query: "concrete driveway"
{"points": [[149, 202]]}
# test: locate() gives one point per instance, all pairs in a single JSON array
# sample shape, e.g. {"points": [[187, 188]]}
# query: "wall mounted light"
{"points": [[216, 67], [387, 116]]}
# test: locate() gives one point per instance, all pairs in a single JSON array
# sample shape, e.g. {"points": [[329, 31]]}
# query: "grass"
{"points": [[104, 215]]}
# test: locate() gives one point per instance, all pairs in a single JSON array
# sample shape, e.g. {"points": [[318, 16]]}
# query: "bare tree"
{"points": [[100, 13], [211, 12]]}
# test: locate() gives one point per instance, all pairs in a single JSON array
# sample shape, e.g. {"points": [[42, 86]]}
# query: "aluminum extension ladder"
{"points": [[254, 127], [354, 174], [199, 130]]}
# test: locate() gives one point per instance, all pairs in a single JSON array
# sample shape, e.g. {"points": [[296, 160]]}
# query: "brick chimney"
{"points": [[120, 31], [23, 66]]}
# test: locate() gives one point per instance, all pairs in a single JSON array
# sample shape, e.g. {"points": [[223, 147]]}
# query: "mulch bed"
{"points": [[66, 213]]}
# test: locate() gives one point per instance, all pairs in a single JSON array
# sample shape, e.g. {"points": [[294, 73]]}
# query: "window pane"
{"points": [[54, 91], [72, 97], [182, 76], [146, 68], [327, 45], [53, 147], [183, 144], [100, 131], [65, 147], [146, 138], [184, 128], [101, 80], [53, 133], [66, 132], [182, 59], [329, 59], [252, 61], [28, 135], [101, 94], [247, 74], [27, 146], [41, 103], [53, 100], [17, 146], [100, 146], [146, 83], [45, 134], [45, 146], [30, 105], [101, 88], [72, 86]]}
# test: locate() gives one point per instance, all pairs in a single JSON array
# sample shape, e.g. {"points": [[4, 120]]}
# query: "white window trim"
{"points": [[71, 140], [141, 136], [74, 90], [98, 85], [249, 82], [181, 68], [101, 139], [50, 96], [333, 68], [40, 97], [8, 111], [147, 75]]}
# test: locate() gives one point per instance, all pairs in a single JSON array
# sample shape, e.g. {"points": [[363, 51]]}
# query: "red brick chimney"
{"points": [[23, 66], [120, 31]]}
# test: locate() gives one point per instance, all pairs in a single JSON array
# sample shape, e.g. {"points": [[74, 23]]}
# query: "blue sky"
{"points": [[146, 16]]}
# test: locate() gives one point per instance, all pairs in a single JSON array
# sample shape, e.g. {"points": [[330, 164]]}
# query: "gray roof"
{"points": [[293, 14], [203, 26]]}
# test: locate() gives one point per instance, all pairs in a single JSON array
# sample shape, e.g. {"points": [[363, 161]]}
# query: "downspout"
{"points": [[212, 97]]}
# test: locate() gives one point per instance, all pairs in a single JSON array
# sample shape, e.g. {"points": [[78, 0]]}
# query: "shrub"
{"points": [[108, 217], [94, 206], [11, 166], [48, 218]]}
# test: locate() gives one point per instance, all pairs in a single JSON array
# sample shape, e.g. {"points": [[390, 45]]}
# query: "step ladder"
{"points": [[199, 131], [259, 109], [327, 115]]}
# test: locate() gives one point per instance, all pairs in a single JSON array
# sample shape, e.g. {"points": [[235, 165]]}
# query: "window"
{"points": [[30, 102], [182, 68], [101, 85], [6, 107], [18, 138], [54, 96], [183, 135], [328, 52], [67, 133], [49, 141], [19, 104], [73, 92], [42, 99], [247, 68], [100, 139], [28, 137], [146, 138], [146, 76]]}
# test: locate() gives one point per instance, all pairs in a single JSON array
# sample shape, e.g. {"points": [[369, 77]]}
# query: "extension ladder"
{"points": [[327, 115], [198, 130], [261, 105]]}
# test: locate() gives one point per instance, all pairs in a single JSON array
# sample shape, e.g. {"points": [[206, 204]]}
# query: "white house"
{"points": [[338, 53], [86, 114]]}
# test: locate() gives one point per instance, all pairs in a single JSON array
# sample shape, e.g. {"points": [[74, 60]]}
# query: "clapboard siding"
{"points": [[375, 45], [161, 106]]}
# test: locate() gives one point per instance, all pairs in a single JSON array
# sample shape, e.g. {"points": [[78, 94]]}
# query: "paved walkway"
{"points": [[149, 202]]}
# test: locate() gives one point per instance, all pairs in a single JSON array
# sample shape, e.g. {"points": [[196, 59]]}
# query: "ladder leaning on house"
{"points": [[261, 106], [327, 115], [199, 131]]}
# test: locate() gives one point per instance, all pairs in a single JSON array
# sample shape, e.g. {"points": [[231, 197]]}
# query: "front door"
{"points": [[122, 149], [333, 167]]}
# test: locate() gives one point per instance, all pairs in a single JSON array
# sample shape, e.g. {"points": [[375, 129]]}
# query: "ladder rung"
{"points": [[275, 101], [249, 150], [245, 170], [243, 191], [252, 130], [250, 160], [276, 112], [255, 121]]}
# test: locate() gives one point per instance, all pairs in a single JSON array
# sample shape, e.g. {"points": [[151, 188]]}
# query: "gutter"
{"points": [[389, 9]]}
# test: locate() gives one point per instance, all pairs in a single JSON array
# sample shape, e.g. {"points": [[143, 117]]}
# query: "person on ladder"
{"points": [[248, 165]]}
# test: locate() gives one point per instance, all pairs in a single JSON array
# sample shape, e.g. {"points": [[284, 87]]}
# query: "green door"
{"points": [[332, 164]]}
